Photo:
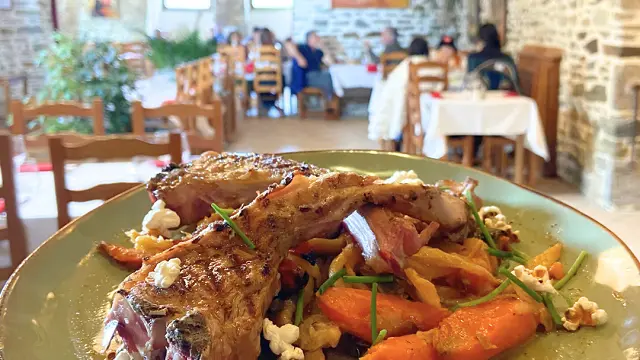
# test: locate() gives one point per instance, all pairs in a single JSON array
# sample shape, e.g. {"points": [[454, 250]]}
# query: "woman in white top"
{"points": [[387, 112]]}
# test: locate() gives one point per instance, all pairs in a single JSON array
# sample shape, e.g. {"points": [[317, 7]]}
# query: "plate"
{"points": [[53, 305]]}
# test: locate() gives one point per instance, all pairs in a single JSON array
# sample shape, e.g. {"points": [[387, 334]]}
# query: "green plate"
{"points": [[54, 304]]}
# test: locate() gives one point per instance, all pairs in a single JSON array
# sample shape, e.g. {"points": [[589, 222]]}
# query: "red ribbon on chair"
{"points": [[249, 67], [25, 168]]}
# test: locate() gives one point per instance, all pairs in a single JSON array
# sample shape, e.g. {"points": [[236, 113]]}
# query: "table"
{"points": [[496, 115], [36, 193], [351, 76], [155, 90]]}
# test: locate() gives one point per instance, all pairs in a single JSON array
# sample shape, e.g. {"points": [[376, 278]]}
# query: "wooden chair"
{"points": [[424, 77], [22, 114], [237, 56], [186, 83], [268, 73], [228, 97], [204, 80], [101, 148], [389, 61], [14, 232], [495, 157], [187, 113], [134, 55]]}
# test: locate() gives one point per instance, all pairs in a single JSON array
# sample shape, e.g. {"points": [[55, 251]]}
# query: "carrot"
{"points": [[350, 309], [483, 331], [409, 347], [556, 271], [127, 257]]}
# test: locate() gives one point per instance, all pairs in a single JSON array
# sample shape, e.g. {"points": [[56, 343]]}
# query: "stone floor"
{"points": [[290, 134]]}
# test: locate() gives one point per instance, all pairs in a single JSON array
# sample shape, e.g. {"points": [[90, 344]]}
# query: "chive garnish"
{"points": [[299, 307], [331, 280], [505, 265], [506, 255], [572, 271], [233, 226], [381, 336], [520, 254], [374, 320], [524, 287], [443, 188], [476, 216], [368, 279], [548, 302], [490, 296]]}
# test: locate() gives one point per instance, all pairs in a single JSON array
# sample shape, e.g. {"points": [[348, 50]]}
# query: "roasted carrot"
{"points": [[410, 347], [483, 331], [556, 271], [127, 257], [350, 309]]}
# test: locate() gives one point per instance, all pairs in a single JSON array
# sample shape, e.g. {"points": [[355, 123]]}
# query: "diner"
{"points": [[293, 179]]}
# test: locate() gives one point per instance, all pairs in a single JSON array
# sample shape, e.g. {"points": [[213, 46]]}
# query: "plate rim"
{"points": [[9, 284]]}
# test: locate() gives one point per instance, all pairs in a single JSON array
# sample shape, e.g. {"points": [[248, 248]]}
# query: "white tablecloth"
{"points": [[497, 114], [351, 76], [157, 89]]}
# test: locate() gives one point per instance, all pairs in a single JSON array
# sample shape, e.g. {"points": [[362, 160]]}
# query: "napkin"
{"points": [[249, 67], [1, 205], [436, 95], [511, 94], [160, 163], [372, 68]]}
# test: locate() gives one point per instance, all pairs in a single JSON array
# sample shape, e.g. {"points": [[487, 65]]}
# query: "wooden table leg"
{"points": [[535, 168], [467, 151], [487, 146], [518, 175]]}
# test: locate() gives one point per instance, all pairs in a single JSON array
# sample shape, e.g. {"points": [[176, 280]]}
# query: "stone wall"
{"points": [[350, 27], [601, 43], [74, 18], [24, 31]]}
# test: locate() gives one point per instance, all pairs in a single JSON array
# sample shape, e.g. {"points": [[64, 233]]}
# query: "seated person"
{"points": [[491, 49], [307, 69], [389, 38], [447, 52], [387, 108]]}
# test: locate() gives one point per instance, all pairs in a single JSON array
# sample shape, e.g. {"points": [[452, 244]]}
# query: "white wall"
{"points": [[178, 20], [279, 21]]}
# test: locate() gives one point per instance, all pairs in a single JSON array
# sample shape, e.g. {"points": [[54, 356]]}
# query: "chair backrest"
{"points": [[187, 82], [390, 60], [14, 232], [423, 77], [204, 82], [268, 71], [134, 55], [188, 114], [101, 149], [23, 114]]}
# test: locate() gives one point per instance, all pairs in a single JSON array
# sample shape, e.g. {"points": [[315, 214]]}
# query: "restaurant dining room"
{"points": [[319, 179]]}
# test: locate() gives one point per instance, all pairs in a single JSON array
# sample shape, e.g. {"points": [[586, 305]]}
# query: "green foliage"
{"points": [[167, 54], [76, 70]]}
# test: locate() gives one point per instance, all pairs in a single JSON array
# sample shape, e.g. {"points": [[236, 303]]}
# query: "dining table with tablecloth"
{"points": [[37, 197], [352, 76], [499, 113]]}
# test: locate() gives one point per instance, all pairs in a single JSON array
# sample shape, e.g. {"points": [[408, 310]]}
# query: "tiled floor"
{"points": [[285, 135]]}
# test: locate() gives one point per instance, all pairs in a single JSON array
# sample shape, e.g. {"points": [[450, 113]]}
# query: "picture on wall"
{"points": [[104, 8], [370, 3]]}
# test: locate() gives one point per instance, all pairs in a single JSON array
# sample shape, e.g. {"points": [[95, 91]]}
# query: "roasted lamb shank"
{"points": [[215, 308], [229, 180]]}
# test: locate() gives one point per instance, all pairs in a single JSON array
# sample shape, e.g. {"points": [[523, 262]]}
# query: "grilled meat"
{"points": [[229, 180], [215, 308]]}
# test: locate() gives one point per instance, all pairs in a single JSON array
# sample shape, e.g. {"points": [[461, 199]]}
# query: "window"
{"points": [[272, 4], [187, 4]]}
